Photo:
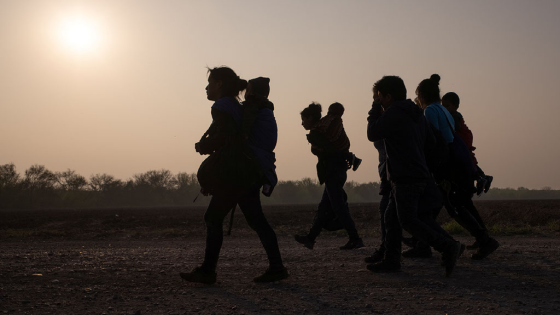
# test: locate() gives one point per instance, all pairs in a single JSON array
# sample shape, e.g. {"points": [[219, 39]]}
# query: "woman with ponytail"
{"points": [[457, 176], [223, 88]]}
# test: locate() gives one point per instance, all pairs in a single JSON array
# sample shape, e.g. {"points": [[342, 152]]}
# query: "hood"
{"points": [[259, 102], [410, 108]]}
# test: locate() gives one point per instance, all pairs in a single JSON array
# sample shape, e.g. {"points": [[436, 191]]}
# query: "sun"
{"points": [[79, 34]]}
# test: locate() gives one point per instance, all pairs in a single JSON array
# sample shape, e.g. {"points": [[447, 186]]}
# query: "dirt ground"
{"points": [[45, 269], [141, 277]]}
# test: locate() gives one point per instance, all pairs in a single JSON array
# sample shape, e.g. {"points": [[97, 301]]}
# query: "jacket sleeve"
{"points": [[221, 128], [432, 117], [375, 128]]}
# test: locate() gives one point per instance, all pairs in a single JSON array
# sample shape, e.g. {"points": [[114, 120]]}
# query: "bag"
{"points": [[232, 168]]}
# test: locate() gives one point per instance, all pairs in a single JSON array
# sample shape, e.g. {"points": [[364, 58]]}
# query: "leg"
{"points": [[219, 207], [320, 216], [250, 204], [338, 200]]}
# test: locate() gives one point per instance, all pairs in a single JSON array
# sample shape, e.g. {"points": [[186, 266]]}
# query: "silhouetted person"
{"points": [[407, 134], [223, 88], [451, 102], [458, 177], [332, 166], [384, 191], [331, 127]]}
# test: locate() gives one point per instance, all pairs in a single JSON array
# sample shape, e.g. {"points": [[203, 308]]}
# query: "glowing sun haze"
{"points": [[79, 33], [117, 87]]}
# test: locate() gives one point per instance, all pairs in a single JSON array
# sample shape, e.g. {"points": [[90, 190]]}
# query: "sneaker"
{"points": [[486, 249], [305, 240], [199, 275], [480, 184], [489, 180], [450, 257], [384, 266], [416, 252], [353, 243], [473, 245], [356, 163], [377, 256], [271, 275]]}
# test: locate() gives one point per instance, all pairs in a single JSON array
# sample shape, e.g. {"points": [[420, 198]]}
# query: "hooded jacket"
{"points": [[260, 128], [407, 136]]}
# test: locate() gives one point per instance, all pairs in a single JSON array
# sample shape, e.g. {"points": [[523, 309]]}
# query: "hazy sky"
{"points": [[127, 94]]}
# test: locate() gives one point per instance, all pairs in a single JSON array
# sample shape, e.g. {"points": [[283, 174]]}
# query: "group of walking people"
{"points": [[426, 162]]}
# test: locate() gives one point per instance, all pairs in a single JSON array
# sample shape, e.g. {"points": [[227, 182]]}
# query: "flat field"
{"points": [[126, 261]]}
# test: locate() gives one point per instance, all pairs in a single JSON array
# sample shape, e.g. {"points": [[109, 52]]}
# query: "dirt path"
{"points": [[141, 277]]}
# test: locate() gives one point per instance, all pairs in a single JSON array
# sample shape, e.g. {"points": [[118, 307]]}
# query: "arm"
{"points": [[375, 130], [222, 127]]}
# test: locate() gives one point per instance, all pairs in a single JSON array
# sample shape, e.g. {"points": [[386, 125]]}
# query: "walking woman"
{"points": [[331, 170], [223, 88], [460, 171]]}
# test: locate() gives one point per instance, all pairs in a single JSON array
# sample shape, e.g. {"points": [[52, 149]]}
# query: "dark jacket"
{"points": [[226, 121], [261, 131], [407, 135], [331, 162]]}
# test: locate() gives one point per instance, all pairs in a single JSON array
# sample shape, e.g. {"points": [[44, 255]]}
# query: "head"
{"points": [[223, 82], [428, 91], [336, 109], [258, 87], [389, 89], [451, 101], [310, 115]]}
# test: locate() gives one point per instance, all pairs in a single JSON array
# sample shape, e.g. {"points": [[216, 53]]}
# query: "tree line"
{"points": [[39, 187]]}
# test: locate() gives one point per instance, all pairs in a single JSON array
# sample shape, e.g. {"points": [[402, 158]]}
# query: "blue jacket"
{"points": [[262, 140], [441, 119]]}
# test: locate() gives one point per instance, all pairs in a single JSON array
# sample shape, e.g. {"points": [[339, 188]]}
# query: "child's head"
{"points": [[310, 115], [258, 87], [336, 109], [451, 101], [428, 91]]}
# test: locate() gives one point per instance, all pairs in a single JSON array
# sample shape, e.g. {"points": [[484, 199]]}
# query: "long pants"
{"points": [[385, 198], [404, 212], [250, 205], [334, 200], [465, 213]]}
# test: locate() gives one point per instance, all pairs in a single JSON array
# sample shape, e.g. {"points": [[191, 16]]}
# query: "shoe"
{"points": [[271, 275], [409, 241], [486, 249], [480, 184], [356, 163], [384, 266], [377, 256], [473, 245], [450, 257], [416, 252], [353, 244], [305, 240], [199, 275], [489, 180]]}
